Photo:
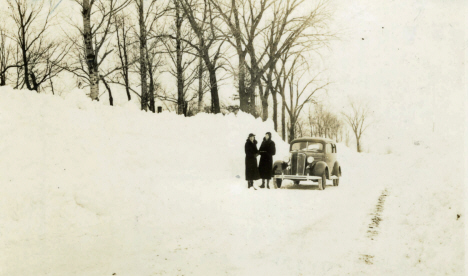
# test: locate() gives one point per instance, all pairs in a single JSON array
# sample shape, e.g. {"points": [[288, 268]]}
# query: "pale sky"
{"points": [[406, 58]]}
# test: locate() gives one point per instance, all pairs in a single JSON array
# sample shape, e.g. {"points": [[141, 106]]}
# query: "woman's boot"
{"points": [[268, 183], [263, 184]]}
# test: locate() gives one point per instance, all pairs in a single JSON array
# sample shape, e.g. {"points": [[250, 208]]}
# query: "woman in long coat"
{"points": [[265, 168], [251, 153]]}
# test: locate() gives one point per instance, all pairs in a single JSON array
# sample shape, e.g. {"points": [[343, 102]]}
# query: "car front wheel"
{"points": [[278, 182], [324, 182], [336, 182]]}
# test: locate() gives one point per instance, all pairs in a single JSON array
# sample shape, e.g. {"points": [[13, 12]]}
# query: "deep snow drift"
{"points": [[95, 190]]}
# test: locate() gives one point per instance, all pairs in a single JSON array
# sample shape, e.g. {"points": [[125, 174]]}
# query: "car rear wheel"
{"points": [[324, 182], [336, 182], [278, 182]]}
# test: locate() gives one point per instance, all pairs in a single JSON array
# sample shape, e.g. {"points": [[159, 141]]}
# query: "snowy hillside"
{"points": [[89, 189]]}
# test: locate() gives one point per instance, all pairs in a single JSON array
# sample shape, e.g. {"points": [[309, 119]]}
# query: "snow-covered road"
{"points": [[92, 190]]}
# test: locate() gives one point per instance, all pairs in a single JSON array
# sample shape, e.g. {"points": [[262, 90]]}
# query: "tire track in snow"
{"points": [[377, 216], [373, 228]]}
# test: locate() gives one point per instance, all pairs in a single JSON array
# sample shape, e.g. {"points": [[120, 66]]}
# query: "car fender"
{"points": [[319, 168], [336, 169], [278, 166]]}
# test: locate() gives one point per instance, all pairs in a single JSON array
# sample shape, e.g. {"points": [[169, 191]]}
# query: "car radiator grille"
{"points": [[297, 163]]}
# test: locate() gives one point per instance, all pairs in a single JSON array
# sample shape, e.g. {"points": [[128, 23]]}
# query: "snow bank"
{"points": [[68, 165], [95, 190]]}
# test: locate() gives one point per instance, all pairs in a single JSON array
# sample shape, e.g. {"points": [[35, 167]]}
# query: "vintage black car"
{"points": [[310, 159]]}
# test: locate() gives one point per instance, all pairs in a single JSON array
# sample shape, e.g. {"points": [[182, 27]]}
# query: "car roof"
{"points": [[313, 139]]}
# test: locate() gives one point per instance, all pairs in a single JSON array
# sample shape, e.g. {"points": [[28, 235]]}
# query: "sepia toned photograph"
{"points": [[233, 137]]}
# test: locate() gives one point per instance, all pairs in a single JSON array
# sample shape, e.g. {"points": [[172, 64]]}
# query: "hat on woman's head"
{"points": [[269, 134], [251, 134]]}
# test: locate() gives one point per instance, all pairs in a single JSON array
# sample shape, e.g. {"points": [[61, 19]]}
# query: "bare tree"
{"points": [[182, 58], [242, 18], [40, 56], [150, 58], [324, 123], [97, 24], [125, 49], [300, 91], [202, 20], [143, 60], [6, 56], [358, 119], [287, 31]]}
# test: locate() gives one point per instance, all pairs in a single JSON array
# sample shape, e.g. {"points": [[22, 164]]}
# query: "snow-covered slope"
{"points": [[93, 190]]}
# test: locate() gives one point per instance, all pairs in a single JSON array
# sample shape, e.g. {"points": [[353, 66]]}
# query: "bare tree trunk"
{"points": [[127, 87], [186, 108], [26, 67], [253, 83], [152, 106], [269, 89], [89, 51], [123, 53], [264, 100], [111, 99], [200, 84], [144, 92], [275, 110], [35, 85], [292, 128], [52, 86], [180, 71], [215, 108], [243, 94], [18, 69], [251, 93], [150, 92], [358, 143], [283, 119]]}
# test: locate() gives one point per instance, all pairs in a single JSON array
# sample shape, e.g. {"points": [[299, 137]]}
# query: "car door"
{"points": [[333, 158], [329, 156]]}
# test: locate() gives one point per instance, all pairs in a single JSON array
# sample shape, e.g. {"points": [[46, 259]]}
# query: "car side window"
{"points": [[334, 148], [329, 148]]}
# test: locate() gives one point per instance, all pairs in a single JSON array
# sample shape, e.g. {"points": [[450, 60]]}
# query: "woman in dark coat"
{"points": [[251, 153], [267, 150]]}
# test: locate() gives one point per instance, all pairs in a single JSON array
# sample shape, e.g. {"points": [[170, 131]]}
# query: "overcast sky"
{"points": [[407, 58]]}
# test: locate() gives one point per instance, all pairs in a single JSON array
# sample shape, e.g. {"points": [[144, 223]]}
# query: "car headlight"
{"points": [[286, 159], [310, 159]]}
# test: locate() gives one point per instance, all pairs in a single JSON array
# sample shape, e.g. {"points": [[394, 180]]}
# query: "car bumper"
{"points": [[297, 177]]}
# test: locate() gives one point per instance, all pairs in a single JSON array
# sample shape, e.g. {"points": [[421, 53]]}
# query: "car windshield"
{"points": [[317, 147], [299, 146], [310, 146]]}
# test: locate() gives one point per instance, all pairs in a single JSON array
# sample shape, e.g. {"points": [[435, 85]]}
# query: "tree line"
{"points": [[267, 47]]}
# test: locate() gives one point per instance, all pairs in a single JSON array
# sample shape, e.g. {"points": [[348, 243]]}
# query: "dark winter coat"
{"points": [[251, 152], [267, 150]]}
